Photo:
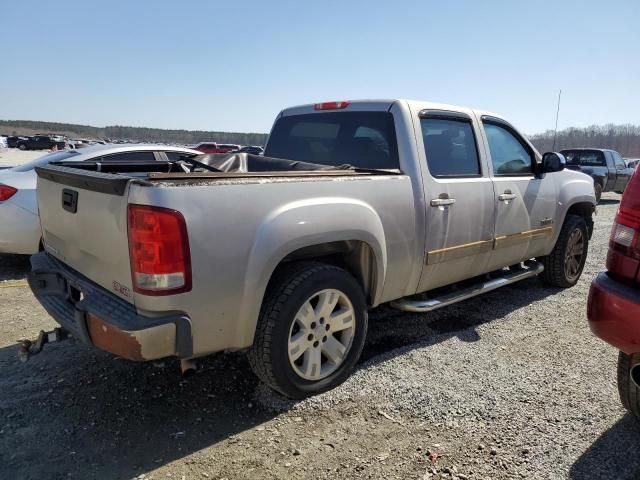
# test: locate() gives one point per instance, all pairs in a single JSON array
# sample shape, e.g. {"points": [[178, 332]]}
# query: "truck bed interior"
{"points": [[208, 166]]}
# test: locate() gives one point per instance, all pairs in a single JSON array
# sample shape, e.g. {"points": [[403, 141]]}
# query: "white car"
{"points": [[19, 223]]}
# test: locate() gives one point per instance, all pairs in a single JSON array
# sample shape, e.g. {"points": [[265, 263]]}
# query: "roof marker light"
{"points": [[331, 105]]}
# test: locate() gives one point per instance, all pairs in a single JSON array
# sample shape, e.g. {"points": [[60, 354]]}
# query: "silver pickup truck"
{"points": [[354, 204]]}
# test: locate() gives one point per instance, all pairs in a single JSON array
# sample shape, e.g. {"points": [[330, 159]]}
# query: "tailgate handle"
{"points": [[70, 200]]}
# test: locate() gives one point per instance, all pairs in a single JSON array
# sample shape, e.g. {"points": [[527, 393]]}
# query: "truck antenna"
{"points": [[555, 133]]}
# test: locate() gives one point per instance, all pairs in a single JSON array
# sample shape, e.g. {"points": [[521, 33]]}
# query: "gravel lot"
{"points": [[10, 157], [508, 385]]}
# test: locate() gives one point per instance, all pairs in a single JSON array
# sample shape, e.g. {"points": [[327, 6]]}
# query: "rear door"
{"points": [[458, 197], [525, 204]]}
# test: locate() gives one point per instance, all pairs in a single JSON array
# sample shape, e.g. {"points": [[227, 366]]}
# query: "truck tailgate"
{"points": [[84, 224]]}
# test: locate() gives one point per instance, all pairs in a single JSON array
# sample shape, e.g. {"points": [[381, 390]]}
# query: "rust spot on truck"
{"points": [[111, 339]]}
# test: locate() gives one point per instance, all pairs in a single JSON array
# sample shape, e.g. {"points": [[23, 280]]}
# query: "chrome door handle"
{"points": [[503, 197], [441, 202]]}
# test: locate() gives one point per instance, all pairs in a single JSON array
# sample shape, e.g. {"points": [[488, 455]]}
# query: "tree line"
{"points": [[118, 132], [625, 139]]}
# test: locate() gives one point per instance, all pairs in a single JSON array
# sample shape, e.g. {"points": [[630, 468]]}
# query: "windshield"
{"points": [[361, 139], [585, 158], [44, 160]]}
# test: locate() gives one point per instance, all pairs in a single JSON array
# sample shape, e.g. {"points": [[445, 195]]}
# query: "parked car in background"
{"points": [[632, 162], [213, 147], [19, 225], [606, 167], [12, 141], [3, 141], [252, 149], [40, 142], [614, 299], [363, 203], [228, 147]]}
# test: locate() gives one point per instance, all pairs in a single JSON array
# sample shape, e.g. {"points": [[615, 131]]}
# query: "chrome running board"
{"points": [[531, 268]]}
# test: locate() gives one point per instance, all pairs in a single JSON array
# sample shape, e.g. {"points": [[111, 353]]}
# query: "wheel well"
{"points": [[584, 210], [354, 256]]}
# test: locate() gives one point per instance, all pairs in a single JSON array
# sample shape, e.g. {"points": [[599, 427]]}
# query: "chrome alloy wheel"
{"points": [[573, 257], [321, 334]]}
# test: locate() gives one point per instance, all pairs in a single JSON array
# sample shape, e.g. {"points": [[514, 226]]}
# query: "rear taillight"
{"points": [[331, 105], [159, 251], [624, 245], [6, 192]]}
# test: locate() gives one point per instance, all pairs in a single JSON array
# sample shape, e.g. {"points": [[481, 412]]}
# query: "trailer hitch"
{"points": [[29, 347]]}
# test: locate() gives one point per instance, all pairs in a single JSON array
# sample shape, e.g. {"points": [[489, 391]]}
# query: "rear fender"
{"points": [[303, 224]]}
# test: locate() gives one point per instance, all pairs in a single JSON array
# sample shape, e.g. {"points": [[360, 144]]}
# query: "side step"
{"points": [[412, 304]]}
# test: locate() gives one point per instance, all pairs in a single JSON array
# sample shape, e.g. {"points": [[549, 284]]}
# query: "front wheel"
{"points": [[563, 266], [22, 146], [627, 388], [311, 329]]}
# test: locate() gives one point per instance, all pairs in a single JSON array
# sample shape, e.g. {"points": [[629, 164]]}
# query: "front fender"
{"points": [[306, 223], [572, 189]]}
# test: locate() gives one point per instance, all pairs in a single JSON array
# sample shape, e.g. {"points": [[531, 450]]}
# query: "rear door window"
{"points": [[143, 156], [618, 160], [585, 158], [450, 147], [360, 139]]}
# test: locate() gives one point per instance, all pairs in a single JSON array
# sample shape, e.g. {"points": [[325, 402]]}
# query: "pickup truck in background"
{"points": [[609, 171], [354, 204], [41, 142], [212, 147]]}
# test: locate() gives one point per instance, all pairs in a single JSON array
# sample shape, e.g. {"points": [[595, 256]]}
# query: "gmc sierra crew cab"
{"points": [[354, 204]]}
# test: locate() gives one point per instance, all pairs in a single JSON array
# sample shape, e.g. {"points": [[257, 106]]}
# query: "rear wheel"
{"points": [[629, 392], [311, 330], [563, 266], [22, 146]]}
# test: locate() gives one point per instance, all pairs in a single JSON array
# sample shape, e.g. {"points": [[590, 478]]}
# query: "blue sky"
{"points": [[232, 65]]}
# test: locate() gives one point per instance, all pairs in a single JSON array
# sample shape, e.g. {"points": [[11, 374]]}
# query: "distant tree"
{"points": [[142, 134]]}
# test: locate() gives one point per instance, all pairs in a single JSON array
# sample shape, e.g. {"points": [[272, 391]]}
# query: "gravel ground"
{"points": [[10, 157], [507, 385]]}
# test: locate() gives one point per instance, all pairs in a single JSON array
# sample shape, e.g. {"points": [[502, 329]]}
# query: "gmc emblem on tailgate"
{"points": [[121, 289]]}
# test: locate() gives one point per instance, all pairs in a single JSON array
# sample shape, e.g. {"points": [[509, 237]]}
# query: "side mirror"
{"points": [[553, 162]]}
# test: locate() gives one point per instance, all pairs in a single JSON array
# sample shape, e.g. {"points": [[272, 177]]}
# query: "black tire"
{"points": [[555, 273], [598, 189], [629, 393], [22, 146], [286, 293]]}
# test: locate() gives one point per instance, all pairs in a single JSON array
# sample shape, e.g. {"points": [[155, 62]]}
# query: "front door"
{"points": [[524, 203], [458, 197], [622, 172]]}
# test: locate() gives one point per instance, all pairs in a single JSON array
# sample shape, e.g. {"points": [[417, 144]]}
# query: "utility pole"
{"points": [[555, 133]]}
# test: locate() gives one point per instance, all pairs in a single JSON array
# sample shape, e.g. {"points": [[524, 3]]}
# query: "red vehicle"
{"points": [[614, 299], [212, 147]]}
